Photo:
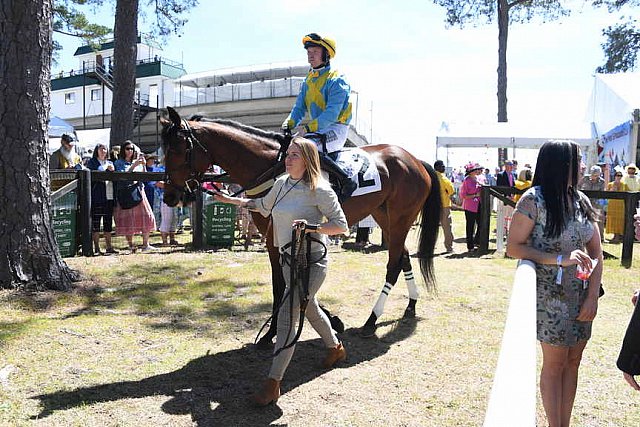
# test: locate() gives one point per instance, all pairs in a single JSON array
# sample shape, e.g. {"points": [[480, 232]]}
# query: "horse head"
{"points": [[185, 158]]}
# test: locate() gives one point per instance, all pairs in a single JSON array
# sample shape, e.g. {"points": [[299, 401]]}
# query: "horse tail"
{"points": [[429, 226]]}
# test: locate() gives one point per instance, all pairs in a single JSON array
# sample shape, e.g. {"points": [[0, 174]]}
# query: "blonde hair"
{"points": [[525, 175], [311, 160]]}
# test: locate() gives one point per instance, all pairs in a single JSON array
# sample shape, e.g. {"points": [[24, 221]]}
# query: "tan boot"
{"points": [[334, 355], [269, 394]]}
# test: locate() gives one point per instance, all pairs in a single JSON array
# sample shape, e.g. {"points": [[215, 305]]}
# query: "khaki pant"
{"points": [[288, 320], [445, 222]]}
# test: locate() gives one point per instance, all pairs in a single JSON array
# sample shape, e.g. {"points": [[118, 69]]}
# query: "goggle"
{"points": [[312, 36]]}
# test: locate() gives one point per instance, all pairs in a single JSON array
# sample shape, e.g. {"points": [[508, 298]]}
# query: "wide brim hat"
{"points": [[472, 167], [631, 165]]}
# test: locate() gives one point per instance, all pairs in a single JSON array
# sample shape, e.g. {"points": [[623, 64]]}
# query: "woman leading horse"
{"points": [[252, 158]]}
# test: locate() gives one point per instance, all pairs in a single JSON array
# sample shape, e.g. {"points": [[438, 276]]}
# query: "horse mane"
{"points": [[245, 128]]}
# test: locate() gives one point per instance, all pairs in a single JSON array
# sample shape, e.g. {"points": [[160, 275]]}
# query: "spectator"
{"points": [[629, 357], [523, 182], [470, 195], [300, 196], [554, 226], [506, 178], [615, 209], [150, 187], [595, 182], [446, 191], [66, 157], [138, 219], [168, 214], [491, 178], [102, 197], [631, 180]]}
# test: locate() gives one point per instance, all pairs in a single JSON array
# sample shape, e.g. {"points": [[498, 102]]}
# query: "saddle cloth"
{"points": [[361, 168]]}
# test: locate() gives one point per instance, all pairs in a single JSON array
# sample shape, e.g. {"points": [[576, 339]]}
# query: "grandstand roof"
{"points": [[246, 74]]}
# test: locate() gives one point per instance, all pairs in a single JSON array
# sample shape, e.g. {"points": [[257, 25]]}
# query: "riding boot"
{"points": [[334, 355], [269, 393], [347, 186]]}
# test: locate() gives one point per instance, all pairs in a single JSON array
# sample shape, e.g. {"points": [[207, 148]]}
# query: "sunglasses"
{"points": [[620, 175], [128, 149]]}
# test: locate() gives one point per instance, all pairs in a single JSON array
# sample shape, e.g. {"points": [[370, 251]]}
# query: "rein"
{"points": [[299, 265]]}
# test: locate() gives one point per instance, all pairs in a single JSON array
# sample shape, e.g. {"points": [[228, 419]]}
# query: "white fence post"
{"points": [[513, 395]]}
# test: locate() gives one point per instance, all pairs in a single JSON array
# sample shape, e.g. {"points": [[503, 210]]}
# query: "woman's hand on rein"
{"points": [[308, 228]]}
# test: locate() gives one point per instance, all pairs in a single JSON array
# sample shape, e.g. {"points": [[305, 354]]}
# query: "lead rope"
{"points": [[300, 265]]}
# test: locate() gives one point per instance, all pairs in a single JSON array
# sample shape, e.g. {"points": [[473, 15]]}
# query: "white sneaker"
{"points": [[148, 248]]}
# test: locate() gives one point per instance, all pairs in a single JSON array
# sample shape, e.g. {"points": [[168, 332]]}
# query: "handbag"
{"points": [[129, 196]]}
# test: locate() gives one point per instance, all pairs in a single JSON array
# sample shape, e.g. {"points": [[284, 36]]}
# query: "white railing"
{"points": [[513, 395]]}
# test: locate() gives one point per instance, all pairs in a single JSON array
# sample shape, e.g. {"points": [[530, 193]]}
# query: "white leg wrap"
{"points": [[411, 285], [378, 309]]}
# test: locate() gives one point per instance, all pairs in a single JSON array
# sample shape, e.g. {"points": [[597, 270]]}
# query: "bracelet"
{"points": [[559, 260]]}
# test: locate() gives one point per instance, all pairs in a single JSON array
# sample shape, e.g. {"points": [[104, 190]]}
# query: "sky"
{"points": [[411, 72]]}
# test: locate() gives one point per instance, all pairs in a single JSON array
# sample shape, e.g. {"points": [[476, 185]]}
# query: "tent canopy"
{"points": [[512, 135], [57, 127], [86, 140], [613, 99]]}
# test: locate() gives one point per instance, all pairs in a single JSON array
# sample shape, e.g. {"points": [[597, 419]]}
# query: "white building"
{"points": [[86, 90]]}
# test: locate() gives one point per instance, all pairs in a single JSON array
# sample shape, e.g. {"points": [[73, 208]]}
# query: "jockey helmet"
{"points": [[327, 43]]}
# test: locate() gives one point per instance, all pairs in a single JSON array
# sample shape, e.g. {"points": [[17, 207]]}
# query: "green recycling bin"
{"points": [[219, 223], [63, 219]]}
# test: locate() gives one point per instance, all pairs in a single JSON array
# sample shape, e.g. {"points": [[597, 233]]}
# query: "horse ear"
{"points": [[174, 116]]}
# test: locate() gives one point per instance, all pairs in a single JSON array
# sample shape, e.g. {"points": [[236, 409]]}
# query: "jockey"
{"points": [[325, 96]]}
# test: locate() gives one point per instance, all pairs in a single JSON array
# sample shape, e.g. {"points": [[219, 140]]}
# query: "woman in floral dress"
{"points": [[554, 226]]}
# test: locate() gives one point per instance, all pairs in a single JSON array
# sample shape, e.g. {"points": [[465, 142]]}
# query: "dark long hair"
{"points": [[557, 172]]}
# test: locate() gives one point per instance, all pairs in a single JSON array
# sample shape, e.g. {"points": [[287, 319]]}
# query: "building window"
{"points": [[70, 98], [96, 94]]}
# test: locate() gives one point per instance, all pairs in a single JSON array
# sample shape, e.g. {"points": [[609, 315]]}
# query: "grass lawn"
{"points": [[161, 339]]}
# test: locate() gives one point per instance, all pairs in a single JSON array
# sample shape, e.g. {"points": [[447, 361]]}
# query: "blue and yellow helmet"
{"points": [[314, 39]]}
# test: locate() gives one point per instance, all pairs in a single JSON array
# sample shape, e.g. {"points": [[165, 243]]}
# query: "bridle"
{"points": [[194, 180]]}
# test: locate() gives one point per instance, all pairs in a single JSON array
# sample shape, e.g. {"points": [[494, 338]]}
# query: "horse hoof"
{"points": [[409, 313], [336, 324], [368, 331], [264, 343]]}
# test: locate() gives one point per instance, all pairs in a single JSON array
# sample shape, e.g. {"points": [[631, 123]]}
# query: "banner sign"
{"points": [[616, 146]]}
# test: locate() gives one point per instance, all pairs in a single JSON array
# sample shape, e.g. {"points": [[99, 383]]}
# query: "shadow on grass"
{"points": [[11, 330], [168, 294], [214, 389]]}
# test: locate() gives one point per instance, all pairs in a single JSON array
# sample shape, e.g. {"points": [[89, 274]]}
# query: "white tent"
{"points": [[86, 140], [527, 136], [614, 109], [57, 127], [613, 99], [511, 135]]}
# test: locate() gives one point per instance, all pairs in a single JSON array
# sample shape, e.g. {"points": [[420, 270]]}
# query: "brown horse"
{"points": [[250, 157]]}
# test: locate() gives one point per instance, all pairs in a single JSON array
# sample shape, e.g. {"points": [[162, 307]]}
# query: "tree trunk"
{"points": [[503, 34], [29, 256], [125, 34]]}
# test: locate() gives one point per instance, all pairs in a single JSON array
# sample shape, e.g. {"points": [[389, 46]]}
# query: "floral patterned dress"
{"points": [[558, 305]]}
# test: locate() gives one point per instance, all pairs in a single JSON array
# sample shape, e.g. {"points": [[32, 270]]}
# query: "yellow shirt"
{"points": [[632, 182], [446, 190], [520, 185]]}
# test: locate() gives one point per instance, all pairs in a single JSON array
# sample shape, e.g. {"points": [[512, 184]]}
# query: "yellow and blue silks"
{"points": [[325, 96]]}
